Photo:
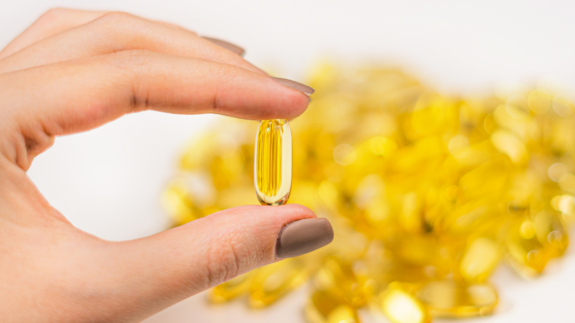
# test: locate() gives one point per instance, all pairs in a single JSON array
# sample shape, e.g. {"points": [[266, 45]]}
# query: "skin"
{"points": [[72, 71]]}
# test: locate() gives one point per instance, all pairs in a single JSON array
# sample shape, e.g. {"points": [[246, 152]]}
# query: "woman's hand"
{"points": [[73, 71]]}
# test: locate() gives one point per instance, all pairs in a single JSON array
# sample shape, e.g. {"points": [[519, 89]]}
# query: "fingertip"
{"points": [[294, 101], [289, 213], [291, 229], [255, 96], [307, 90], [227, 45], [303, 236], [298, 210], [277, 215]]}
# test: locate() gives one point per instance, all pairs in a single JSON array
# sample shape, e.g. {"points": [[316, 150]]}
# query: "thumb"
{"points": [[186, 260]]}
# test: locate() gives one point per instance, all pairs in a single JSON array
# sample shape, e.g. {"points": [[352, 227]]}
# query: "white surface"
{"points": [[107, 181]]}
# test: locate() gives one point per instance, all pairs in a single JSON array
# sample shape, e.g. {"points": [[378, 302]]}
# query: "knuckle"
{"points": [[134, 64], [223, 265], [124, 30], [220, 73], [224, 71], [228, 258], [115, 17], [37, 140], [52, 15], [135, 55], [133, 60], [116, 22]]}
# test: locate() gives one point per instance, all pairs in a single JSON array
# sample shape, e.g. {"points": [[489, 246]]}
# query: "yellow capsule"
{"points": [[178, 200], [274, 281], [323, 307], [401, 307], [565, 204], [338, 277], [426, 250], [451, 299], [479, 260], [550, 231], [236, 196], [232, 288], [540, 101], [510, 145], [273, 162], [383, 267], [526, 254], [489, 178]]}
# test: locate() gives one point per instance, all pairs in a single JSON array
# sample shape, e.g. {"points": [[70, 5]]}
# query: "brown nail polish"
{"points": [[303, 236], [229, 46], [295, 85]]}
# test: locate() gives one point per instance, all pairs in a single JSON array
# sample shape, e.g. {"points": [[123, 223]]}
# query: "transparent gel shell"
{"points": [[273, 162]]}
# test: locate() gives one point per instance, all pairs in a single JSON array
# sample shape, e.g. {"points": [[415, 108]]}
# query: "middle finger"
{"points": [[114, 32]]}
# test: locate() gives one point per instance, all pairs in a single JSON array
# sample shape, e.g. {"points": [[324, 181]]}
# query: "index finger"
{"points": [[76, 96]]}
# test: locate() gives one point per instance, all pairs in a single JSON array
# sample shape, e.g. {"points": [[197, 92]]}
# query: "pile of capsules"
{"points": [[427, 194]]}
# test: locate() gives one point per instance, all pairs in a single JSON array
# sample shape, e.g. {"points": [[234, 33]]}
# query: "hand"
{"points": [[73, 71]]}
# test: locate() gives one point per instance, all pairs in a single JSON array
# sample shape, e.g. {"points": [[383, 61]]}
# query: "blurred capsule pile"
{"points": [[427, 194]]}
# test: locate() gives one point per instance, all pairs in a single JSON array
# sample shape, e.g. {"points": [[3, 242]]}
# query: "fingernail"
{"points": [[303, 236], [295, 85], [229, 46]]}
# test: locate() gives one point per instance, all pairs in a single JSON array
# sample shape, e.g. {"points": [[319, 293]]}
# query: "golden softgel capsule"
{"points": [[273, 162]]}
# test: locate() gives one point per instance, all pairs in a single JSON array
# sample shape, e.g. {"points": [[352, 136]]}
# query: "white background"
{"points": [[107, 181]]}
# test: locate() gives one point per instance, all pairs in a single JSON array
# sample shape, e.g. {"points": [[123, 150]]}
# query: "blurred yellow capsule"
{"points": [[420, 158], [306, 193], [489, 178], [550, 231], [344, 154], [452, 299], [328, 193], [517, 106], [566, 205], [563, 106], [323, 307], [471, 155], [383, 268], [479, 260], [525, 253], [557, 171], [338, 277], [199, 152], [567, 182], [421, 188], [382, 146], [490, 124], [433, 114], [417, 249], [400, 306], [232, 288], [179, 200], [274, 281], [410, 217], [540, 101], [510, 145]]}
